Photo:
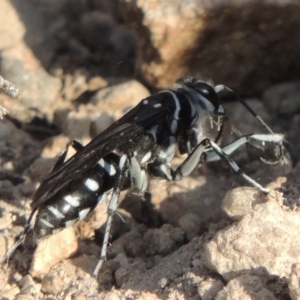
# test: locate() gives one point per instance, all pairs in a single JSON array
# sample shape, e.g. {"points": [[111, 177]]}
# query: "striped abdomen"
{"points": [[80, 197]]}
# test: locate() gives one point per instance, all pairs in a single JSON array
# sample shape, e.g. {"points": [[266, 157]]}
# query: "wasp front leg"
{"points": [[223, 153], [162, 169], [138, 177], [208, 150]]}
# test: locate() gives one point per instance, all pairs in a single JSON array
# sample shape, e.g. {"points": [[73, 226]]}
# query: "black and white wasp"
{"points": [[134, 149]]}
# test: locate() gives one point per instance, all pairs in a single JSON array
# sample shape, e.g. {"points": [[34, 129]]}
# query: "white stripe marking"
{"points": [[188, 145], [153, 132], [113, 203], [55, 212], [83, 213], [174, 126], [164, 170], [193, 111], [177, 105], [45, 222], [122, 161], [219, 88], [169, 152], [221, 109], [92, 185], [66, 207], [101, 162], [72, 200], [101, 198], [208, 105], [234, 166], [70, 223], [145, 182], [146, 157], [275, 138], [110, 169]]}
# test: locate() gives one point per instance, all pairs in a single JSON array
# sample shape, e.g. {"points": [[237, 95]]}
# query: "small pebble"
{"points": [[240, 201], [53, 249], [52, 284]]}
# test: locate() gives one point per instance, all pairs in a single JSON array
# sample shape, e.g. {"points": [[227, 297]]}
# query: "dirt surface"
{"points": [[208, 236]]}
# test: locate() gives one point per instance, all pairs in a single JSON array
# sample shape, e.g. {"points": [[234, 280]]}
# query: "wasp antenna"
{"points": [[219, 88]]}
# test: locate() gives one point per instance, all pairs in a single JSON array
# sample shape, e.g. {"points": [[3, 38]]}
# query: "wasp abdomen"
{"points": [[78, 199]]}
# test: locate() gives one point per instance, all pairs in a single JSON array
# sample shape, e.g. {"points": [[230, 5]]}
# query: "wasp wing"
{"points": [[147, 113]]}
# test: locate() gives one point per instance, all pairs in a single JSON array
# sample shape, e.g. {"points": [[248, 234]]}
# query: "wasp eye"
{"points": [[208, 92], [203, 88]]}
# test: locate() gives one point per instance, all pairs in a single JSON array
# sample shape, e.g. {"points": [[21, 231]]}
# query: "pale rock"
{"points": [[78, 296], [74, 85], [20, 66], [10, 292], [294, 282], [111, 296], [145, 296], [52, 284], [190, 223], [117, 99], [240, 201], [100, 123], [265, 241], [167, 31], [12, 29], [214, 40], [209, 288], [78, 124], [28, 285], [52, 250], [40, 169], [247, 288], [53, 149]]}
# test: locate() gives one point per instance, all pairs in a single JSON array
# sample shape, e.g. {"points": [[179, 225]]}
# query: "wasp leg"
{"points": [[208, 150], [61, 159], [62, 156], [138, 177], [77, 146], [162, 169], [112, 208], [235, 168], [249, 138], [20, 239]]}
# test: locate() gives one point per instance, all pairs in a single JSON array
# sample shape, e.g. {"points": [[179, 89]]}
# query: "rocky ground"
{"points": [[79, 66]]}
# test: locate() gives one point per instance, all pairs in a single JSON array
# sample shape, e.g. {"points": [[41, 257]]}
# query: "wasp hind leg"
{"points": [[112, 208]]}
